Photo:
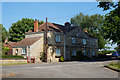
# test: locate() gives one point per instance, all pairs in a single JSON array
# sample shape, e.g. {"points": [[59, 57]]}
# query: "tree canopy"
{"points": [[111, 23], [4, 33], [93, 24], [18, 29]]}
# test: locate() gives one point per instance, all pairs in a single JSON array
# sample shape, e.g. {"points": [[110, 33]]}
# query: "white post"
{"points": [[29, 55]]}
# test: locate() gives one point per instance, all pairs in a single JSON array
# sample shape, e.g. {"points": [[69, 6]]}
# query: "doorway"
{"points": [[68, 54]]}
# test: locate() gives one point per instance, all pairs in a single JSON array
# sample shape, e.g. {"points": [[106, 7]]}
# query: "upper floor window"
{"points": [[57, 38], [73, 40], [93, 53], [93, 42], [73, 52], [23, 51], [57, 51], [84, 41]]}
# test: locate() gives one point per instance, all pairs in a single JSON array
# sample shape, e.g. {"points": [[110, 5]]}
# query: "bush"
{"points": [[80, 56], [4, 50], [12, 57], [61, 59], [105, 52], [42, 58], [57, 56]]}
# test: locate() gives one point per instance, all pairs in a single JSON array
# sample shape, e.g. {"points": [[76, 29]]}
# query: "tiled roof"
{"points": [[29, 31], [53, 27], [27, 41], [5, 45], [89, 35], [57, 28], [12, 43]]}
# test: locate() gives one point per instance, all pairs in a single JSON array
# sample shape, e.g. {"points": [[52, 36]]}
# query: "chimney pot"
{"points": [[86, 30]]}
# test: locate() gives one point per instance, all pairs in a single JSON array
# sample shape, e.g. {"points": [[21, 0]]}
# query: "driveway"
{"points": [[61, 70]]}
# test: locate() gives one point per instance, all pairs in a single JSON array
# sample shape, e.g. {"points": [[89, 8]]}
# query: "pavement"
{"points": [[72, 69]]}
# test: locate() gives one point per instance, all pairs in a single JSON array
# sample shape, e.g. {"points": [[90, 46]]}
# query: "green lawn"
{"points": [[115, 65], [13, 64]]}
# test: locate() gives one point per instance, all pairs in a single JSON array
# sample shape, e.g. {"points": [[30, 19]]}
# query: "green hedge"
{"points": [[61, 59], [12, 57], [80, 56], [105, 52]]}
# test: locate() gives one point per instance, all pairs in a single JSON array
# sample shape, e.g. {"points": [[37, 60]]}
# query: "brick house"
{"points": [[63, 40]]}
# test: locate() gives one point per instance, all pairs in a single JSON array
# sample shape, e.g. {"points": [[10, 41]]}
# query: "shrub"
{"points": [[42, 58], [4, 50], [57, 56], [80, 56], [61, 59], [12, 57], [105, 52]]}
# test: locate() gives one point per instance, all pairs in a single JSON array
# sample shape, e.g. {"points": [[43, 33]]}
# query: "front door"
{"points": [[68, 54]]}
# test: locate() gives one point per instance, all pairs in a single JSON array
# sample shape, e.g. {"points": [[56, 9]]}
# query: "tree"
{"points": [[93, 24], [18, 29], [116, 48], [111, 25], [4, 33], [4, 50]]}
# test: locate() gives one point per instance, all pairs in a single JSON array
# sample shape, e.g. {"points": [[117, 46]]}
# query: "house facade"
{"points": [[62, 40]]}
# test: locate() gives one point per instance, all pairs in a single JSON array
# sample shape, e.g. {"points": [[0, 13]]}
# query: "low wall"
{"points": [[13, 61]]}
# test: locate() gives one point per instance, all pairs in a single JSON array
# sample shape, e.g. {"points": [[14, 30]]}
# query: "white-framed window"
{"points": [[73, 52], [16, 51], [93, 42], [57, 51], [57, 38], [84, 52], [84, 41], [73, 40], [93, 53], [23, 51]]}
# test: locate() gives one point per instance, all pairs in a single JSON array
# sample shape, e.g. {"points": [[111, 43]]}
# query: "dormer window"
{"points": [[73, 40], [84, 41], [57, 38]]}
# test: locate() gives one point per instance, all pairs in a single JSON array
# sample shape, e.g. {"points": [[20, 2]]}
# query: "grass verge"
{"points": [[114, 65], [6, 64]]}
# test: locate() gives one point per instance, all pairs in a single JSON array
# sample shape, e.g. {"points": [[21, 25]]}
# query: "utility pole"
{"points": [[46, 45]]}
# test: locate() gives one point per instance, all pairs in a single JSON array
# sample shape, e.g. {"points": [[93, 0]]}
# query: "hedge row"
{"points": [[106, 52], [12, 57]]}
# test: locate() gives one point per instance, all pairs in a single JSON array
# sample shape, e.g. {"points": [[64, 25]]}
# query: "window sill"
{"points": [[23, 54], [58, 42], [73, 56]]}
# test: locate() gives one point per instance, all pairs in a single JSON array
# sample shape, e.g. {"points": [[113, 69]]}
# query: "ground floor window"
{"points": [[93, 53], [57, 51], [23, 51], [84, 52], [73, 52], [16, 52]]}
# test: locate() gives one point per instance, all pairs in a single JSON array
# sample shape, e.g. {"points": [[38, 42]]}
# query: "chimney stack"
{"points": [[35, 25], [67, 24], [86, 30]]}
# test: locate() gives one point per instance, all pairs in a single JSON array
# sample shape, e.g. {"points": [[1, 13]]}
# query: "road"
{"points": [[61, 70]]}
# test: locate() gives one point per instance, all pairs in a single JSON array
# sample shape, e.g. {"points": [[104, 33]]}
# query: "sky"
{"points": [[56, 12]]}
